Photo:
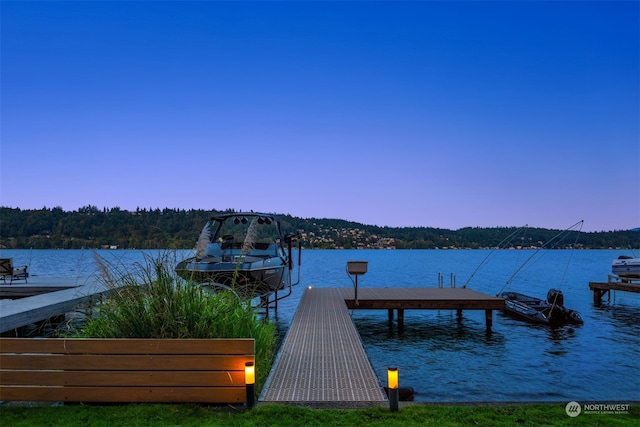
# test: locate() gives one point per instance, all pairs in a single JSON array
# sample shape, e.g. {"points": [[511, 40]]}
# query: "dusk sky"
{"points": [[424, 113]]}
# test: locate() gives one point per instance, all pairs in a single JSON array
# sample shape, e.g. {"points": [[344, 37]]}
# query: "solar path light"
{"points": [[392, 384], [250, 383]]}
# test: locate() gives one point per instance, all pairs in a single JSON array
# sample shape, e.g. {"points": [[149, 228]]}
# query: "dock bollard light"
{"points": [[392, 383], [250, 383]]}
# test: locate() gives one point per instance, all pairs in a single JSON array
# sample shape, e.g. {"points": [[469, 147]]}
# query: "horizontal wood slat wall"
{"points": [[127, 346], [130, 395], [128, 362], [124, 370], [123, 378]]}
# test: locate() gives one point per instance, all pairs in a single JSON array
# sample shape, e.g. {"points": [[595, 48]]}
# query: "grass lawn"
{"points": [[276, 415]]}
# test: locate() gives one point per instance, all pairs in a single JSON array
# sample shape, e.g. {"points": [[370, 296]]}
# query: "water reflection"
{"points": [[621, 314], [442, 330]]}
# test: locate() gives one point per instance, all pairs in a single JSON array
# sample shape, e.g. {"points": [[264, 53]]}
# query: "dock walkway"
{"points": [[322, 359], [63, 297]]}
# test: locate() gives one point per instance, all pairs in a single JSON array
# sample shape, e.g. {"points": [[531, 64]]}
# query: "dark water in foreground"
{"points": [[446, 358]]}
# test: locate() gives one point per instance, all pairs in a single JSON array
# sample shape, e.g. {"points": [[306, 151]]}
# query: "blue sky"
{"points": [[437, 114]]}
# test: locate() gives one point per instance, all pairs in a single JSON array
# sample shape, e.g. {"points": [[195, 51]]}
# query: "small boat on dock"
{"points": [[245, 252], [550, 312], [626, 267]]}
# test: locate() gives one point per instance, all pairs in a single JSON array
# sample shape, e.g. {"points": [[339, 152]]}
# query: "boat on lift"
{"points": [[244, 252], [626, 267]]}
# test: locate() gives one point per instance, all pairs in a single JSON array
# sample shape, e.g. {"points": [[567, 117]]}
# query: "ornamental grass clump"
{"points": [[152, 301]]}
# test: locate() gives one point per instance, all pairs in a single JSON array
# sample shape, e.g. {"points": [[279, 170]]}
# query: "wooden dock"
{"points": [[322, 359], [600, 289], [401, 299], [17, 291], [64, 296]]}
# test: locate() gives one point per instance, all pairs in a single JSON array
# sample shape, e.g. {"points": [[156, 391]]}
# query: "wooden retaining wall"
{"points": [[124, 370]]}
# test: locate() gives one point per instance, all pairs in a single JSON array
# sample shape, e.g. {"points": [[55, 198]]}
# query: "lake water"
{"points": [[447, 359]]}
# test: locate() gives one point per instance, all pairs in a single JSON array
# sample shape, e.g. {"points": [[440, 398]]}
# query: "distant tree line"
{"points": [[91, 227]]}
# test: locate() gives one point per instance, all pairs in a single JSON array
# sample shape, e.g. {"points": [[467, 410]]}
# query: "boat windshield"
{"points": [[245, 232]]}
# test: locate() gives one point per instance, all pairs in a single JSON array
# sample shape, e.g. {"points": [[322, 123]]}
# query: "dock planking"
{"points": [[17, 292], [16, 313], [322, 359], [401, 299], [422, 298], [600, 289]]}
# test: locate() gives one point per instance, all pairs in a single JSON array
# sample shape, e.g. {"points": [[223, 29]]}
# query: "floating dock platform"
{"points": [[401, 299], [23, 290], [322, 360], [614, 283], [44, 298]]}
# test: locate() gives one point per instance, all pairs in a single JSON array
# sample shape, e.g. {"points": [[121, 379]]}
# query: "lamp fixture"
{"points": [[392, 384], [392, 377], [249, 373], [250, 383]]}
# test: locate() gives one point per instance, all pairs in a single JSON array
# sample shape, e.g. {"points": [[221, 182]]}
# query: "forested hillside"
{"points": [[90, 227]]}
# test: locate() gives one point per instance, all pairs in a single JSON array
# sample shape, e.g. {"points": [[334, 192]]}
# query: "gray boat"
{"points": [[550, 312], [245, 252]]}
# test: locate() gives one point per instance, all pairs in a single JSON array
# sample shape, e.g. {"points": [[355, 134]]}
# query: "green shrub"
{"points": [[151, 301]]}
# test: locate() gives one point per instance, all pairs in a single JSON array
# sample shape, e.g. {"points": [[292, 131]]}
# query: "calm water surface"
{"points": [[446, 358]]}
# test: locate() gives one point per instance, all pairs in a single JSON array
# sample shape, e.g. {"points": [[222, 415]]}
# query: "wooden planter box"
{"points": [[124, 370]]}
